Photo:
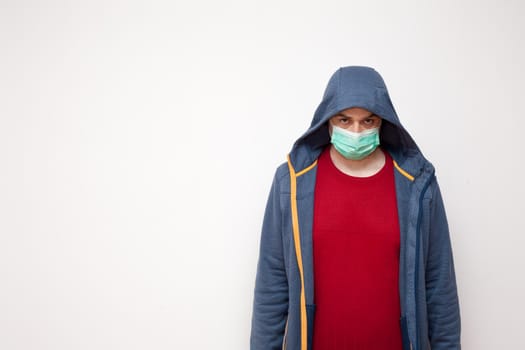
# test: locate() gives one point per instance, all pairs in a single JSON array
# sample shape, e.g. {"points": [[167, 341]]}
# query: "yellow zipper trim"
{"points": [[297, 243], [307, 169], [403, 172]]}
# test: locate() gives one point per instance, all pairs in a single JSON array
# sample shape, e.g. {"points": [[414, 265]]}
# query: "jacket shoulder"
{"points": [[282, 171], [282, 178]]}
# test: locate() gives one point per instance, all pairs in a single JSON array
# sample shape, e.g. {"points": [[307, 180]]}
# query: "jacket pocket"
{"points": [[404, 333], [310, 312]]}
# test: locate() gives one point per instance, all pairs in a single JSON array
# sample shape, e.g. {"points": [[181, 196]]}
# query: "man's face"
{"points": [[355, 119]]}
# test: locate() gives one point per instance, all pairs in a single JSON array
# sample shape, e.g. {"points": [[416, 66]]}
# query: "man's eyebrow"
{"points": [[349, 116]]}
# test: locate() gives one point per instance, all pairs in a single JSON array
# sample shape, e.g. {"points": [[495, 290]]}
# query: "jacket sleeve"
{"points": [[442, 299], [270, 304]]}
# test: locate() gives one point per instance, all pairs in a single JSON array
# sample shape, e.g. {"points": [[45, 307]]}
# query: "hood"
{"points": [[355, 86]]}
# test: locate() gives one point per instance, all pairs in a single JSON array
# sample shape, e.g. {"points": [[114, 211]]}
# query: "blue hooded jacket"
{"points": [[283, 310]]}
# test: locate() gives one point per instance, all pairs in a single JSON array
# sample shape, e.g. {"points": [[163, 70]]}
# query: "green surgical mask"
{"points": [[355, 145]]}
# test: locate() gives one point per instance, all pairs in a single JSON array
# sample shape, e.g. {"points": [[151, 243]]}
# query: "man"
{"points": [[358, 207]]}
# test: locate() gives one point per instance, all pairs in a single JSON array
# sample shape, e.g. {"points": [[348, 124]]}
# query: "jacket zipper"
{"points": [[285, 334], [418, 227], [297, 244]]}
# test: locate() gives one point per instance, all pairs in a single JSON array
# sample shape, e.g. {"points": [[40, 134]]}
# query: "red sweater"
{"points": [[356, 260]]}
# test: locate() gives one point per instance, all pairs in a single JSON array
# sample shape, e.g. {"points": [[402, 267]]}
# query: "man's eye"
{"points": [[343, 120]]}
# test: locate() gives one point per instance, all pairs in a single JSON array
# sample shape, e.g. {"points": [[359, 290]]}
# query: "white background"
{"points": [[138, 141]]}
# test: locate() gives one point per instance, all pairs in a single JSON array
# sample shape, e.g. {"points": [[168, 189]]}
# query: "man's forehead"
{"points": [[353, 114]]}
